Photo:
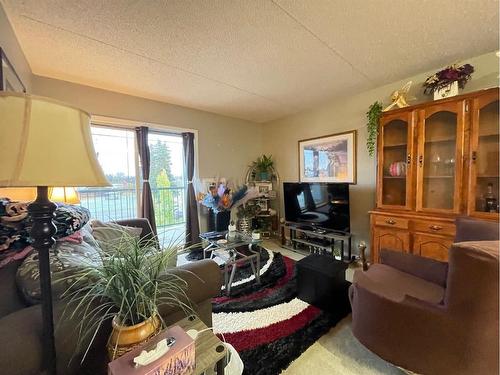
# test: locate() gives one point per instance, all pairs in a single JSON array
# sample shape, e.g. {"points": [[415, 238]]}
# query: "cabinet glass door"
{"points": [[394, 164], [484, 156], [439, 159]]}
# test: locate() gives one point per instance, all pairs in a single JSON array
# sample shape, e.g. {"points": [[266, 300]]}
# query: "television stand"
{"points": [[320, 231], [321, 241]]}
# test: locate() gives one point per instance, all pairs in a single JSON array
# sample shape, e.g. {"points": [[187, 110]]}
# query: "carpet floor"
{"points": [[266, 323], [337, 352]]}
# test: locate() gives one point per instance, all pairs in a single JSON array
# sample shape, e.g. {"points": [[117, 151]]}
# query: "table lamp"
{"points": [[67, 195], [45, 143]]}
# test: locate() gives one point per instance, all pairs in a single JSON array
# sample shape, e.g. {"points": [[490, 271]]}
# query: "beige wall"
{"points": [[226, 145], [8, 42], [347, 113]]}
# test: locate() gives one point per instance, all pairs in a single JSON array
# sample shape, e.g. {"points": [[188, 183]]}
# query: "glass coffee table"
{"points": [[232, 250]]}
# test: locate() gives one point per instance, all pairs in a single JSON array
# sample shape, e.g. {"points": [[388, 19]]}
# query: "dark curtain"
{"points": [[147, 209], [192, 225]]}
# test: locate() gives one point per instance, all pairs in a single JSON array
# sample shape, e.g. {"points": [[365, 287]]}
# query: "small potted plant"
{"points": [[126, 285], [446, 82], [263, 167]]}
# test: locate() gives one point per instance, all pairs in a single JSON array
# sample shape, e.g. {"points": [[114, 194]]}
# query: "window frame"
{"points": [[122, 124]]}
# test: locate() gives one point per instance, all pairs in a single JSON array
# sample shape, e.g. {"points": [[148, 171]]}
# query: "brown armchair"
{"points": [[432, 317]]}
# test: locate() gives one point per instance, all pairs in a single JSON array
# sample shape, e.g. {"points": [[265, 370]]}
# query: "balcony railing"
{"points": [[121, 203]]}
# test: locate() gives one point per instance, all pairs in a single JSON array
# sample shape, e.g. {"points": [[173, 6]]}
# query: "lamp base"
{"points": [[42, 232]]}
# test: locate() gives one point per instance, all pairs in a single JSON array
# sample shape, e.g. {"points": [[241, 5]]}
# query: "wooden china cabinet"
{"points": [[436, 161]]}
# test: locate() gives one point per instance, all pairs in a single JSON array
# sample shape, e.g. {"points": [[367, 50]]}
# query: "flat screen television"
{"points": [[317, 205]]}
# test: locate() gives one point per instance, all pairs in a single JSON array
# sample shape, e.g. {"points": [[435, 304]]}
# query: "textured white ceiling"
{"points": [[252, 59]]}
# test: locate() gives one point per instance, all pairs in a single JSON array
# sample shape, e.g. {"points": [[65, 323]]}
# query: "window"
{"points": [[117, 153], [168, 184]]}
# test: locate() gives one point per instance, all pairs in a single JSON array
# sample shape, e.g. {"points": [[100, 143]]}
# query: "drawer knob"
{"points": [[435, 227], [474, 156], [390, 221]]}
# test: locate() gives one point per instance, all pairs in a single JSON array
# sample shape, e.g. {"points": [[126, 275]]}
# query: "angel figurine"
{"points": [[398, 97]]}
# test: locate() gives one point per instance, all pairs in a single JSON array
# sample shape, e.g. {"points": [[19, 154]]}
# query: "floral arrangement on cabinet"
{"points": [[448, 76]]}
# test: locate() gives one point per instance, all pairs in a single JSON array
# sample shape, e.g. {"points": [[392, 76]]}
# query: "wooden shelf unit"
{"points": [[450, 150]]}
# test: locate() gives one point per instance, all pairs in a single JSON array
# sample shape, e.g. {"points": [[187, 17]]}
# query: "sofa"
{"points": [[21, 325], [432, 317]]}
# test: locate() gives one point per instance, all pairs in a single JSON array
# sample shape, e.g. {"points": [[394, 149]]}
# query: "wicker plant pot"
{"points": [[125, 338]]}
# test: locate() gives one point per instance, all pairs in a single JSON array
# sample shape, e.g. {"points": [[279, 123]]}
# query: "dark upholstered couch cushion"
{"points": [[21, 335], [11, 299]]}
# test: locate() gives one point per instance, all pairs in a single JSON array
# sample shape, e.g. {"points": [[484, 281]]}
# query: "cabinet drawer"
{"points": [[443, 229], [393, 222]]}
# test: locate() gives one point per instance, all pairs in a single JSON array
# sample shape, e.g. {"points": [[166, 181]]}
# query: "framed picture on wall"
{"points": [[331, 158], [9, 80]]}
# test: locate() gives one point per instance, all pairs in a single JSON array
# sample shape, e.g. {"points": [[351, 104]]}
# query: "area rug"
{"points": [[267, 324]]}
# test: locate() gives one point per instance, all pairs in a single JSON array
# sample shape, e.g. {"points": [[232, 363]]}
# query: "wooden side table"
{"points": [[210, 351]]}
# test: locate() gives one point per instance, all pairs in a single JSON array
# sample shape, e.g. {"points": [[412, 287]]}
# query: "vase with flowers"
{"points": [[446, 82], [224, 196]]}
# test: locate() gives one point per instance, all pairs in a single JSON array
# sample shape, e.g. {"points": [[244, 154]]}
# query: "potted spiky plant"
{"points": [[263, 167], [127, 285]]}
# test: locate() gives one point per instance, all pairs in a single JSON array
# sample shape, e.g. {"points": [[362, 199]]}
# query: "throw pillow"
{"points": [[65, 258], [172, 260], [109, 235]]}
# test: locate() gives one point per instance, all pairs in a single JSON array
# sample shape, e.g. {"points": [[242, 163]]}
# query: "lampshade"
{"points": [[67, 195], [45, 143]]}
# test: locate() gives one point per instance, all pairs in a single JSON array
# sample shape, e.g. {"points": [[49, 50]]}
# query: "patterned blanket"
{"points": [[15, 224]]}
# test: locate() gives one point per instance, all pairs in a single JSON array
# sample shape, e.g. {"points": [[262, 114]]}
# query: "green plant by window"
{"points": [[373, 117]]}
